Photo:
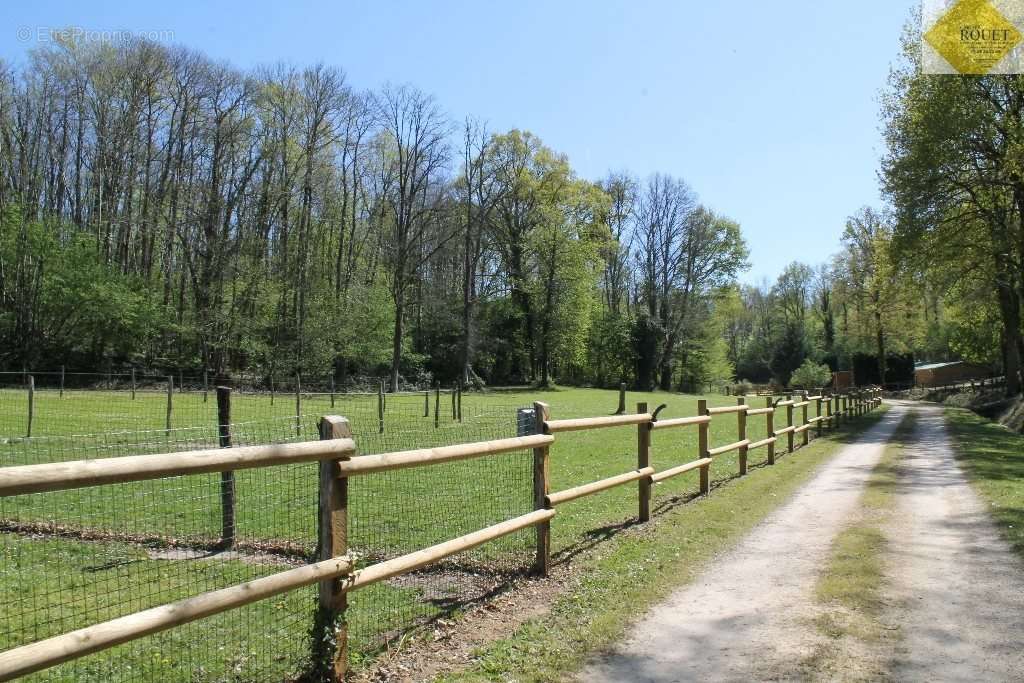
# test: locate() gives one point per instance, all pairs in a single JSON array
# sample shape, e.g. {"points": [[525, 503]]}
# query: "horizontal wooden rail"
{"points": [[56, 476], [784, 430], [681, 469], [721, 410], [680, 422], [367, 464], [801, 404], [819, 418], [762, 442], [803, 428], [46, 653], [565, 496], [730, 447], [783, 404], [815, 398], [576, 424], [421, 558], [760, 411]]}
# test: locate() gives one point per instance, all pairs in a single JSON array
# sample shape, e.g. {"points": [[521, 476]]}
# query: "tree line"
{"points": [[860, 311], [935, 274], [953, 175], [160, 209]]}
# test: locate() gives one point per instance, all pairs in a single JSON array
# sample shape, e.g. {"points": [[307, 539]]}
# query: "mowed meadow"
{"points": [[77, 557]]}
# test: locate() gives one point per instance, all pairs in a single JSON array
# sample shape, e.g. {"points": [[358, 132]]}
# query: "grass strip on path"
{"points": [[850, 588], [616, 582], [993, 459]]}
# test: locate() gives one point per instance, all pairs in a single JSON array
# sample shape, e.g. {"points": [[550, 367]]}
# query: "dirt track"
{"points": [[959, 589], [957, 592]]}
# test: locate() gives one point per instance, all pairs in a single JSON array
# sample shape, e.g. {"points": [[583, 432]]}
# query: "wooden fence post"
{"points": [[541, 488], [170, 400], [437, 406], [828, 413], [330, 636], [643, 459], [818, 425], [789, 423], [426, 403], [458, 388], [805, 435], [133, 384], [741, 431], [206, 385], [181, 380], [769, 419], [271, 390], [227, 479], [454, 414], [298, 404], [621, 410], [31, 403], [380, 407], [61, 382], [702, 448]]}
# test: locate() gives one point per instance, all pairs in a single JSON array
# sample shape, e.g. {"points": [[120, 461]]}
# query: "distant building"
{"points": [[938, 374], [842, 379]]}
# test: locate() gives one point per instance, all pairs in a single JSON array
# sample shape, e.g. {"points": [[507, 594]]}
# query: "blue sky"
{"points": [[768, 109]]}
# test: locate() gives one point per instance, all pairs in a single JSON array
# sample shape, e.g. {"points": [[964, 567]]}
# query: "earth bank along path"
{"points": [[747, 615]]}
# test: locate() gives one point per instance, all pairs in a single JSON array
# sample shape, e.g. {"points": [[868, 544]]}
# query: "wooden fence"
{"points": [[334, 571]]}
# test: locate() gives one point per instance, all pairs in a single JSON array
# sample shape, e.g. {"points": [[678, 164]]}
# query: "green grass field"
{"points": [[55, 581]]}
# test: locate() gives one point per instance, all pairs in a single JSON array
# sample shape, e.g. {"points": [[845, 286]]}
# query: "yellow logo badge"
{"points": [[973, 36]]}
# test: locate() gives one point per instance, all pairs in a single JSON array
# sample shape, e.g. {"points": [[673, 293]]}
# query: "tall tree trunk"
{"points": [[880, 347], [468, 296], [1009, 308], [396, 343]]}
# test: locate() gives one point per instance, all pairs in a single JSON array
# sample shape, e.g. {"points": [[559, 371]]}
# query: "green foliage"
{"points": [[790, 352], [953, 176], [58, 301], [610, 354], [810, 375], [277, 221]]}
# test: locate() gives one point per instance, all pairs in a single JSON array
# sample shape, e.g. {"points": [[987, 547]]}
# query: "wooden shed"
{"points": [[842, 379], [939, 374]]}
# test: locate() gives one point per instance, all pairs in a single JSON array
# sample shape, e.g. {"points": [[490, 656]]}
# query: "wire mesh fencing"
{"points": [[51, 404], [77, 557]]}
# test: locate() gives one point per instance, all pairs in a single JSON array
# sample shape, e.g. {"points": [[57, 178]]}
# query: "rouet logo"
{"points": [[972, 36]]}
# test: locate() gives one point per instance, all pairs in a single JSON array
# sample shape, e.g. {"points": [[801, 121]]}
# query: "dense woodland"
{"points": [[159, 209]]}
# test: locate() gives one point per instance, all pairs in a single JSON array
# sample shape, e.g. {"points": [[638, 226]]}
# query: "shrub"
{"points": [[811, 374], [742, 388]]}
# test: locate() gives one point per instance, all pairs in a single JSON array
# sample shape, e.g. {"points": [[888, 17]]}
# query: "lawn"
{"points": [[53, 583]]}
